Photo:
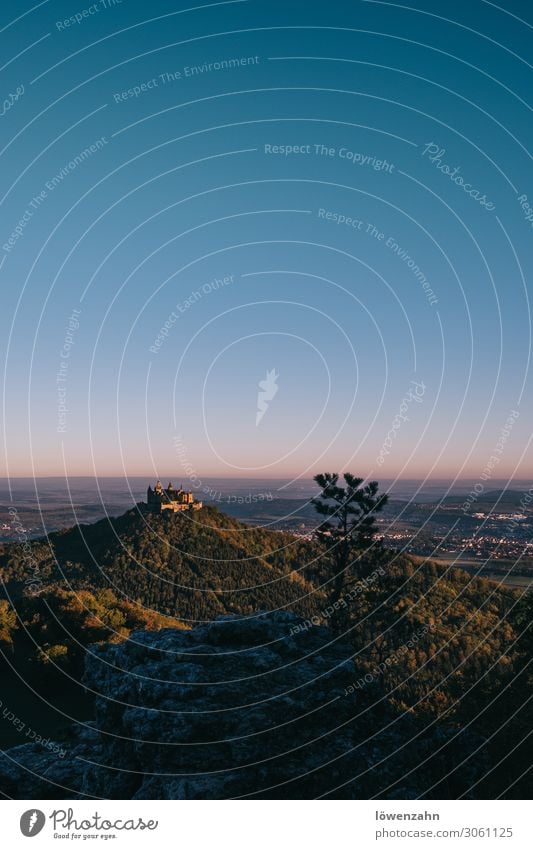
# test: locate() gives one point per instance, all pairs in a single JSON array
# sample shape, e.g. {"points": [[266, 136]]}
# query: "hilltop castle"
{"points": [[176, 500]]}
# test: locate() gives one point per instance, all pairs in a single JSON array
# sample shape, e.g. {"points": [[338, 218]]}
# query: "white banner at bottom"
{"points": [[268, 824]]}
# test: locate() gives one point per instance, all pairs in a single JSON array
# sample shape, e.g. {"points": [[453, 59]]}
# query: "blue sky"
{"points": [[304, 116]]}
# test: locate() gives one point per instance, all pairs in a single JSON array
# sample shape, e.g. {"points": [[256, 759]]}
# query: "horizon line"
{"points": [[124, 476]]}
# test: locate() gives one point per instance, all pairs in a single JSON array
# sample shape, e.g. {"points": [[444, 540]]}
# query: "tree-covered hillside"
{"points": [[193, 566], [428, 642]]}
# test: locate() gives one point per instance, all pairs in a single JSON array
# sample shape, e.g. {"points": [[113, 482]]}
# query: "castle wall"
{"points": [[176, 501]]}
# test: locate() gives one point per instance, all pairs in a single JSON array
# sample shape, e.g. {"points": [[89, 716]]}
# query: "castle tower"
{"points": [[175, 500]]}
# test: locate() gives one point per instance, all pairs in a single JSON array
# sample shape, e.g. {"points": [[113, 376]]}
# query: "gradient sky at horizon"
{"points": [[182, 193]]}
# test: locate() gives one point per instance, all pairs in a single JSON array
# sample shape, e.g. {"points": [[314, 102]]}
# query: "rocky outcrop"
{"points": [[253, 708]]}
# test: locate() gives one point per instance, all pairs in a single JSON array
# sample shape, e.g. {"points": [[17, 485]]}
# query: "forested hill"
{"points": [[429, 642], [192, 565]]}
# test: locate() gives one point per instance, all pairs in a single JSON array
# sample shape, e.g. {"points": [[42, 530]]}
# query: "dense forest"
{"points": [[449, 652]]}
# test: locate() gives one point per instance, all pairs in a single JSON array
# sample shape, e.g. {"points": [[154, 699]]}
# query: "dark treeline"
{"points": [[448, 652]]}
